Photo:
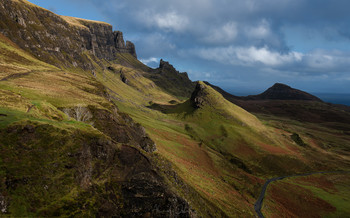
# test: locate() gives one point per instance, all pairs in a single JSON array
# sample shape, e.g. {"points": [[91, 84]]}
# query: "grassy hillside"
{"points": [[57, 158], [327, 194], [220, 150], [78, 142]]}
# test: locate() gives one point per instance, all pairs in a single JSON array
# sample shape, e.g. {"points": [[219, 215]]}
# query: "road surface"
{"points": [[258, 203]]}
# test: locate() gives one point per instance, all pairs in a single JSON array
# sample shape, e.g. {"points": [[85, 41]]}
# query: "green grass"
{"points": [[210, 147]]}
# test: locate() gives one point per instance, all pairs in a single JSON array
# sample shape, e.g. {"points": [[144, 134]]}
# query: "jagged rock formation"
{"points": [[59, 40], [198, 97], [171, 80]]}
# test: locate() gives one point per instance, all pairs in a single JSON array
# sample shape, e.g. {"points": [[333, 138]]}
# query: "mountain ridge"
{"points": [[109, 136], [281, 91], [278, 91], [284, 101], [55, 38]]}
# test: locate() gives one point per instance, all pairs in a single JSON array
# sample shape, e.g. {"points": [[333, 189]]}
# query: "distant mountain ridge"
{"points": [[278, 91], [281, 91], [282, 100]]}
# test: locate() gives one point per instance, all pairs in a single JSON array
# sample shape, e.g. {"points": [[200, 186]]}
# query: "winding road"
{"points": [[258, 203]]}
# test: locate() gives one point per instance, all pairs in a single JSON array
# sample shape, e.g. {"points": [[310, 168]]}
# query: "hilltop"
{"points": [[278, 91], [281, 91], [283, 101]]}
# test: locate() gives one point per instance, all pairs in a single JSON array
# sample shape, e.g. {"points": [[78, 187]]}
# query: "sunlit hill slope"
{"points": [[86, 129]]}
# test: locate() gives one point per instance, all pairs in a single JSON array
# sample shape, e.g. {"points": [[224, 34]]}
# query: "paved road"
{"points": [[258, 203]]}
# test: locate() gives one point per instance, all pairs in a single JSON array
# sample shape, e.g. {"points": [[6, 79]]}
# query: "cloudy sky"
{"points": [[244, 46]]}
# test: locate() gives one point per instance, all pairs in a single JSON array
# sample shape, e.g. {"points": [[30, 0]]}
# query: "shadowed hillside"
{"points": [[284, 101]]}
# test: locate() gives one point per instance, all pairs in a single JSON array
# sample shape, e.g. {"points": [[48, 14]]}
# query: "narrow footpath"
{"points": [[258, 203]]}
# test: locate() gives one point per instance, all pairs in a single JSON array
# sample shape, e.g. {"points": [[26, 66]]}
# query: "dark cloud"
{"points": [[235, 40]]}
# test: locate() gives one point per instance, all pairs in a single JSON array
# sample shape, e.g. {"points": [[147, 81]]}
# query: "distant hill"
{"points": [[278, 91], [281, 91], [284, 101]]}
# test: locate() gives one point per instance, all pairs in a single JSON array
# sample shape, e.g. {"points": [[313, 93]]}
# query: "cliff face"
{"points": [[59, 40], [171, 80]]}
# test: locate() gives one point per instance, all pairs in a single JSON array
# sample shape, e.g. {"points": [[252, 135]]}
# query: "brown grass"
{"points": [[288, 200]]}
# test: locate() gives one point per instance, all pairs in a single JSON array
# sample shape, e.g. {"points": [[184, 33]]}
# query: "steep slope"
{"points": [[66, 150], [75, 148], [226, 95], [171, 80], [59, 40], [206, 98]]}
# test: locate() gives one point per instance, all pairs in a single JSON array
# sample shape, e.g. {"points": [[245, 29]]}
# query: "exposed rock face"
{"points": [[166, 67], [60, 40], [130, 48], [144, 191], [198, 96], [119, 126], [281, 91], [3, 204], [171, 80], [108, 179]]}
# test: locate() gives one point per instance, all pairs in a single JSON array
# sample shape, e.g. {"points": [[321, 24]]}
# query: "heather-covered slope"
{"points": [[66, 150], [128, 140]]}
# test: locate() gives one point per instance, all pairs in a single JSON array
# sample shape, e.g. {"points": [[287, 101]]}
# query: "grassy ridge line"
{"points": [[173, 140]]}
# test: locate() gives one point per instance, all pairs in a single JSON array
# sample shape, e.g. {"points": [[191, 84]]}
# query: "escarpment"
{"points": [[108, 179], [171, 80], [60, 40]]}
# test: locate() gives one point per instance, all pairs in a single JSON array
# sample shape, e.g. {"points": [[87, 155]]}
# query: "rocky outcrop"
{"points": [[166, 68], [59, 40], [143, 190], [119, 126], [42, 165], [171, 80], [198, 97]]}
